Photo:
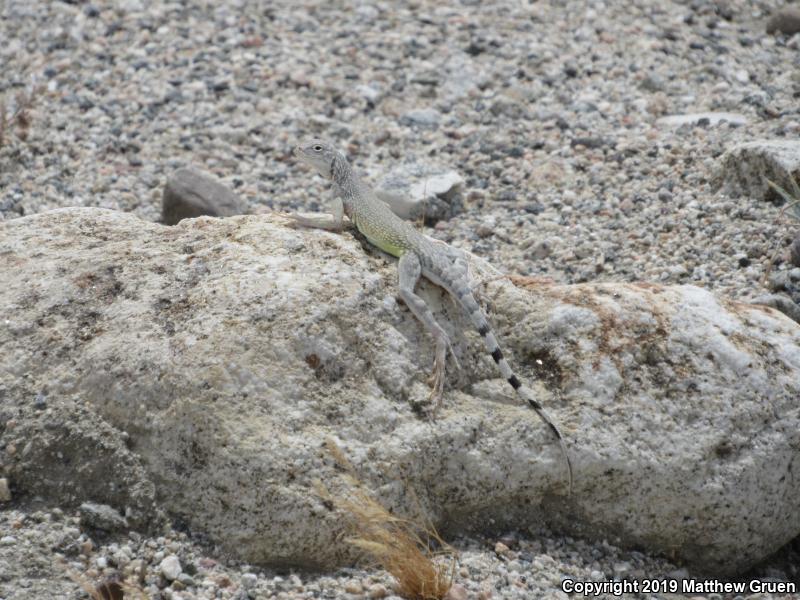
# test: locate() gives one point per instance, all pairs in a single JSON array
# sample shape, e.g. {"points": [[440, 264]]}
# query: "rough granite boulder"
{"points": [[216, 356]]}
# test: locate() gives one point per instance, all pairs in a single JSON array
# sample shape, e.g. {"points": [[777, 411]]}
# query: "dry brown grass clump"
{"points": [[405, 548]]}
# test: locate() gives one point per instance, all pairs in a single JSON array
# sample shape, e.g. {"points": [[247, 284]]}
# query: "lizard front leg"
{"points": [[333, 222]]}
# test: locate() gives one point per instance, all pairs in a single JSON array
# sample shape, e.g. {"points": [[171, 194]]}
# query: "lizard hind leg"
{"points": [[410, 269]]}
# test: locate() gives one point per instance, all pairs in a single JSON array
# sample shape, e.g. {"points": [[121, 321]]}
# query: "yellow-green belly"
{"points": [[387, 243], [386, 246]]}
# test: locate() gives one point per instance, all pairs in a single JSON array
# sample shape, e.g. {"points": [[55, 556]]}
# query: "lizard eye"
{"points": [[317, 148]]}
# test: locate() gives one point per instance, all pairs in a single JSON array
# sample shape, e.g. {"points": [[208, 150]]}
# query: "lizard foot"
{"points": [[295, 220], [316, 222]]}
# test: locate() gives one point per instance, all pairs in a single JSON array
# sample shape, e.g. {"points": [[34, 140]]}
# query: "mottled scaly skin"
{"points": [[372, 217], [419, 255]]}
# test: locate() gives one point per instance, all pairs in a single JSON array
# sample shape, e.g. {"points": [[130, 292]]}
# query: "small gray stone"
{"points": [[678, 574], [249, 581], [794, 251], [190, 194], [456, 592], [425, 118], [540, 250], [664, 195], [621, 570], [369, 92], [589, 142], [131, 5], [5, 491], [40, 401], [702, 119], [786, 20], [170, 567], [653, 83], [101, 516], [510, 107]]}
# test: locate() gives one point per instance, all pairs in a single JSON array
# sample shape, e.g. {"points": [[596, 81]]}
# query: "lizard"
{"points": [[418, 256]]}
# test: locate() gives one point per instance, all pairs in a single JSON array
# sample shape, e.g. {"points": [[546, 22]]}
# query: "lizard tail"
{"points": [[479, 320]]}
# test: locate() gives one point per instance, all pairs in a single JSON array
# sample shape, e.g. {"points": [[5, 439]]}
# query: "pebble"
{"points": [[354, 587], [5, 490], [101, 516], [170, 567], [794, 253], [249, 581], [40, 401], [427, 118], [786, 20], [703, 119], [189, 193], [377, 591], [502, 550], [457, 592]]}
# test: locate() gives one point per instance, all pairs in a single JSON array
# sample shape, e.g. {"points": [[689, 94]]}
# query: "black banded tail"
{"points": [[467, 300]]}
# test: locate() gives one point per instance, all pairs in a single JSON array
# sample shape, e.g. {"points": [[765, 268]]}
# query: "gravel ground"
{"points": [[49, 554], [548, 110]]}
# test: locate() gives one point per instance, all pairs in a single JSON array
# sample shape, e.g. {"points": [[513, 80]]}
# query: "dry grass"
{"points": [[403, 547]]}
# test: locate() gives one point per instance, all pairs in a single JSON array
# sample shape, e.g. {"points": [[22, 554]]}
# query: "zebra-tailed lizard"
{"points": [[419, 256]]}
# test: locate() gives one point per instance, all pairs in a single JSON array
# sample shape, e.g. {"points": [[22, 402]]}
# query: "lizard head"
{"points": [[320, 155]]}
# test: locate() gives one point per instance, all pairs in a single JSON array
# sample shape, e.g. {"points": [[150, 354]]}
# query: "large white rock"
{"points": [[227, 351]]}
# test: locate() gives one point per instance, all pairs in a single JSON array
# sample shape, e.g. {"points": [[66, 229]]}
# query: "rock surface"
{"points": [[170, 567], [747, 168], [226, 352], [190, 193]]}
